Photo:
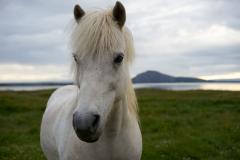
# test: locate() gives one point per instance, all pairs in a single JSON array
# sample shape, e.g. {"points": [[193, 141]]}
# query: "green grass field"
{"points": [[176, 125]]}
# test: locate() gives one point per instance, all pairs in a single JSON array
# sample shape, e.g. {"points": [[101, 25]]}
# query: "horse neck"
{"points": [[118, 118]]}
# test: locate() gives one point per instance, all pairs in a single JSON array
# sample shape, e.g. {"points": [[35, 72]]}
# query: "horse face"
{"points": [[101, 84], [101, 74]]}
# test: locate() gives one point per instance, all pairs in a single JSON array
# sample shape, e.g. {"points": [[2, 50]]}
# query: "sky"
{"points": [[181, 38]]}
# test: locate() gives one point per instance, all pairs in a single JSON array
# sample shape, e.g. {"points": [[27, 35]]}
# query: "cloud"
{"points": [[185, 38], [38, 48], [180, 36], [33, 73]]}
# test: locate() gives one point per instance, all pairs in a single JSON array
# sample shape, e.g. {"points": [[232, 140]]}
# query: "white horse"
{"points": [[96, 119]]}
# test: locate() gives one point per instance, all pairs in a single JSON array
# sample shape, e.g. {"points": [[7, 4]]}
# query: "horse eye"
{"points": [[75, 58], [118, 59]]}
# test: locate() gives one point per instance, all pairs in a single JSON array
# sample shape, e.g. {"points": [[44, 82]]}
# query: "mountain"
{"points": [[227, 80], [157, 77]]}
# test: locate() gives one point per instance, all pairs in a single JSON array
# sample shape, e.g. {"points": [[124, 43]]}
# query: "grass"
{"points": [[176, 125]]}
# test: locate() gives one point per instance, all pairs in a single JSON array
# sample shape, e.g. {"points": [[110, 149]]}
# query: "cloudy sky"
{"points": [[181, 38]]}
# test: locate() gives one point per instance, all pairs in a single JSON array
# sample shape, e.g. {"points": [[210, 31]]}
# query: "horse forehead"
{"points": [[95, 65], [97, 58]]}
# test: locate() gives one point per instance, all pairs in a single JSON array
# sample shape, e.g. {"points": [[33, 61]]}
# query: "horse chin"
{"points": [[88, 139]]}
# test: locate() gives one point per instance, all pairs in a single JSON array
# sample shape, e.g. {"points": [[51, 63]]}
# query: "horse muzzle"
{"points": [[86, 126]]}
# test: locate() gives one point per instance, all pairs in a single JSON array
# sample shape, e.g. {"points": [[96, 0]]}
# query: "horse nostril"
{"points": [[74, 114], [75, 120], [85, 124], [95, 121]]}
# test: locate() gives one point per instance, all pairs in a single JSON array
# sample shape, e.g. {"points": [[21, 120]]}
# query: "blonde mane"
{"points": [[96, 34]]}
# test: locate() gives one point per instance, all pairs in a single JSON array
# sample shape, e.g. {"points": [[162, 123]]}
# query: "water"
{"points": [[28, 88], [191, 86], [164, 86]]}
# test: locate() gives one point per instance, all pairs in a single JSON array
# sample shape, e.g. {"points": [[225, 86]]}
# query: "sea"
{"points": [[163, 86]]}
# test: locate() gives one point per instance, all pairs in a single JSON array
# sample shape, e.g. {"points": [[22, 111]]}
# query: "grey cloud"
{"points": [[214, 60], [36, 32], [206, 61], [33, 33], [226, 12]]}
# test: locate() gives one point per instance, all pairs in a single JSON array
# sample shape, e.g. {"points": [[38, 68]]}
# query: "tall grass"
{"points": [[175, 124]]}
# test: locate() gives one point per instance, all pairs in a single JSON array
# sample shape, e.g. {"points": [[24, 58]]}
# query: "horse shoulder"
{"points": [[55, 116]]}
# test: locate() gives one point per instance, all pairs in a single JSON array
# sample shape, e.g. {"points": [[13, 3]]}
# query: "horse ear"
{"points": [[78, 12], [119, 14]]}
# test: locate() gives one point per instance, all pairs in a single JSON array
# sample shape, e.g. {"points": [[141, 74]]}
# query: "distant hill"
{"points": [[157, 77], [237, 80]]}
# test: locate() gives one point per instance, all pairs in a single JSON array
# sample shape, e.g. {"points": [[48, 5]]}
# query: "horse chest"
{"points": [[121, 148]]}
